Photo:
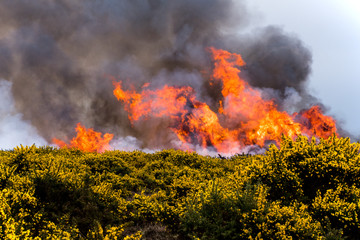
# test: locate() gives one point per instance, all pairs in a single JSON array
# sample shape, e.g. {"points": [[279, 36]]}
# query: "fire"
{"points": [[168, 101], [243, 118], [260, 120], [315, 123], [87, 140]]}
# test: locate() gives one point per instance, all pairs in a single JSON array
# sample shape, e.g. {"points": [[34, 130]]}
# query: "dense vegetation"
{"points": [[302, 190]]}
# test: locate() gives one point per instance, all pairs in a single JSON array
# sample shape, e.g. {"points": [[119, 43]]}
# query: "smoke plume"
{"points": [[62, 56], [13, 129]]}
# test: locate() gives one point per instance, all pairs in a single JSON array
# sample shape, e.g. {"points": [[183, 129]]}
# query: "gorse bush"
{"points": [[304, 189]]}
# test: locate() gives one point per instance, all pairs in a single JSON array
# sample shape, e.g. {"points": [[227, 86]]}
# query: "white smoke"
{"points": [[13, 129], [129, 144]]}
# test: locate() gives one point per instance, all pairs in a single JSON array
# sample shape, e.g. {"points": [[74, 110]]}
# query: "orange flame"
{"points": [[168, 101], [315, 123], [260, 120], [243, 118], [87, 140]]}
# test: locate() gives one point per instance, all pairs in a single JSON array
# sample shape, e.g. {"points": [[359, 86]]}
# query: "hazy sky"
{"points": [[331, 30]]}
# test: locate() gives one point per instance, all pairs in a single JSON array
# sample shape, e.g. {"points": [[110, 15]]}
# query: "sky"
{"points": [[331, 30]]}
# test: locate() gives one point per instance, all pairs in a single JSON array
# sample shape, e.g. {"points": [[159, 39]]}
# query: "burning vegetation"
{"points": [[257, 121], [171, 89], [87, 140]]}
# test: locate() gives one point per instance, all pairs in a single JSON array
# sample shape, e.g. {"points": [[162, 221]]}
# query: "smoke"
{"points": [[13, 129], [59, 55], [279, 63]]}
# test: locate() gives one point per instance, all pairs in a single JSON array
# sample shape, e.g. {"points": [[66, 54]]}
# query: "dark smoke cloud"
{"points": [[59, 54], [279, 63], [277, 60]]}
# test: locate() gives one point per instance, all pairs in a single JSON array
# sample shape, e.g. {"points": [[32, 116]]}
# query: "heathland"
{"points": [[302, 189]]}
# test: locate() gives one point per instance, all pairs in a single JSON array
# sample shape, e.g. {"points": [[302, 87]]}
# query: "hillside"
{"points": [[301, 190]]}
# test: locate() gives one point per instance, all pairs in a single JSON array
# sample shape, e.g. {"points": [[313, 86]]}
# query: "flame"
{"points": [[168, 101], [243, 117], [192, 121], [260, 120], [315, 123], [87, 140]]}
